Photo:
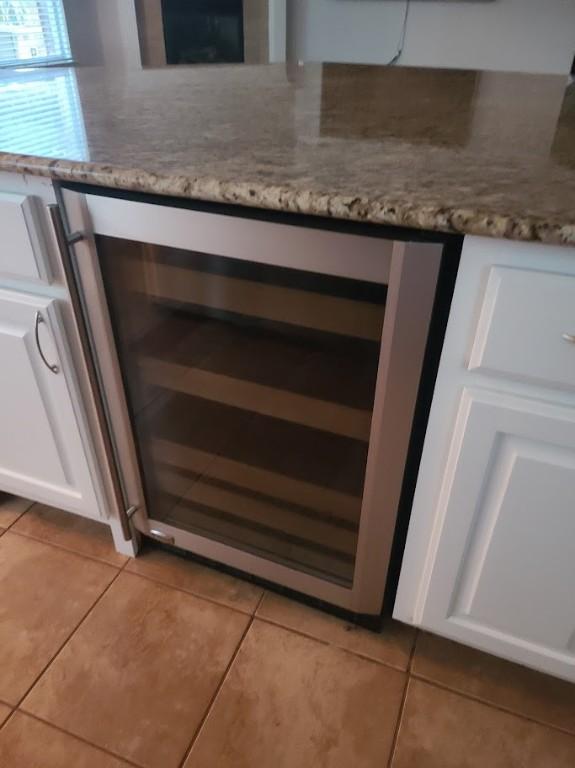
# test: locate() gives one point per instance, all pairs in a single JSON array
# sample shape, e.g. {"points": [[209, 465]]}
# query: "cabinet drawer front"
{"points": [[21, 253], [521, 333]]}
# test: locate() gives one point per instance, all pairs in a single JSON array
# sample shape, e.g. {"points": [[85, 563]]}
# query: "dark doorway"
{"points": [[203, 31]]}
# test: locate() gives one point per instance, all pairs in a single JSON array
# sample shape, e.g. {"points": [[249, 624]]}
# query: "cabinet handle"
{"points": [[73, 282], [569, 337], [39, 321]]}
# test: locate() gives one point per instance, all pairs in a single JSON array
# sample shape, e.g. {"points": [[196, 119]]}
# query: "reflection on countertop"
{"points": [[449, 150]]}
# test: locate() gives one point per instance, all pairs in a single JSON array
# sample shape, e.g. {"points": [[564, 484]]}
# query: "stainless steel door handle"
{"points": [[569, 337], [39, 321]]}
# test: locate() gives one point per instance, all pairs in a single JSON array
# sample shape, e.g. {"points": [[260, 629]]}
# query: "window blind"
{"points": [[40, 114], [33, 32]]}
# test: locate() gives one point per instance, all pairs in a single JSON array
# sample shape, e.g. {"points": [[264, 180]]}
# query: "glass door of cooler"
{"points": [[253, 381], [251, 389]]}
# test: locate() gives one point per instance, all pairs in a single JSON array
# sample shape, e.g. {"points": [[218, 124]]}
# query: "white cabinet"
{"points": [[490, 555], [41, 452]]}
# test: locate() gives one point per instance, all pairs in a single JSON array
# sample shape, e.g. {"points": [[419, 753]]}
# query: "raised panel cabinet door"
{"points": [[501, 567], [41, 451]]}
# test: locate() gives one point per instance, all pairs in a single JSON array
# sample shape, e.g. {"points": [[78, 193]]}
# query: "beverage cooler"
{"points": [[258, 380]]}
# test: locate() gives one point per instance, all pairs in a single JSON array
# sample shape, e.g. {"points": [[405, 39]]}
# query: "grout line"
{"points": [[9, 717], [260, 601], [321, 640], [402, 704], [212, 600], [491, 705], [68, 638], [217, 691], [78, 738], [7, 527], [398, 723], [412, 651], [123, 567], [67, 549]]}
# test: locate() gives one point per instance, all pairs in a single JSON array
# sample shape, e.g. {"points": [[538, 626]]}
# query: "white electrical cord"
{"points": [[401, 42]]}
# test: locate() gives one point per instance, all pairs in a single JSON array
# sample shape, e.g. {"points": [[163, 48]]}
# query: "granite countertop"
{"points": [[483, 153]]}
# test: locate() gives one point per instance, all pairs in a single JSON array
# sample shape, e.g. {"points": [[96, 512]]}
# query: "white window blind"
{"points": [[40, 114], [33, 32]]}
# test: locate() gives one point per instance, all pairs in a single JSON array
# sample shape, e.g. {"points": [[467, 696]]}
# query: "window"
{"points": [[33, 32], [40, 114]]}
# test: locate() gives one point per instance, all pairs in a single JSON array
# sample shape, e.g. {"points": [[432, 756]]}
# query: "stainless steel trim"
{"points": [[77, 216], [409, 306], [258, 565], [38, 322], [569, 337], [77, 306]]}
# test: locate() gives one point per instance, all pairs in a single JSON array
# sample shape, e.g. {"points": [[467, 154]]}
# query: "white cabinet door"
{"points": [[42, 456], [501, 565]]}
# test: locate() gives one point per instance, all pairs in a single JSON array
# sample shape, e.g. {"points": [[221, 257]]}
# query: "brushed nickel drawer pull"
{"points": [[569, 337], [38, 323]]}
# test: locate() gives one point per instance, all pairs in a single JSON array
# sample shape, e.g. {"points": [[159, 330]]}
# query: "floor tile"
{"points": [[28, 743], [11, 507], [177, 571], [78, 534], [510, 686], [4, 712], [392, 646], [138, 675], [440, 729], [44, 594], [290, 701]]}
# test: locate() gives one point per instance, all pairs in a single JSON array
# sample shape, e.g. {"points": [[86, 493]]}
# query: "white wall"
{"points": [[277, 29], [104, 32], [522, 35], [118, 30], [83, 28]]}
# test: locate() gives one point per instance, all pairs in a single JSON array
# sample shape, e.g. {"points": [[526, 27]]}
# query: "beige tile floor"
{"points": [[160, 662]]}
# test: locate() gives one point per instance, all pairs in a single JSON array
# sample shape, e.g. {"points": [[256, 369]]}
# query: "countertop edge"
{"points": [[381, 211]]}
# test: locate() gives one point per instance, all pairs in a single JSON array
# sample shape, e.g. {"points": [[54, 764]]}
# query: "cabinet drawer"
{"points": [[22, 253], [522, 326]]}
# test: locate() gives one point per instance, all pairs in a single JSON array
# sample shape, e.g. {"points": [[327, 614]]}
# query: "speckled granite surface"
{"points": [[455, 151]]}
